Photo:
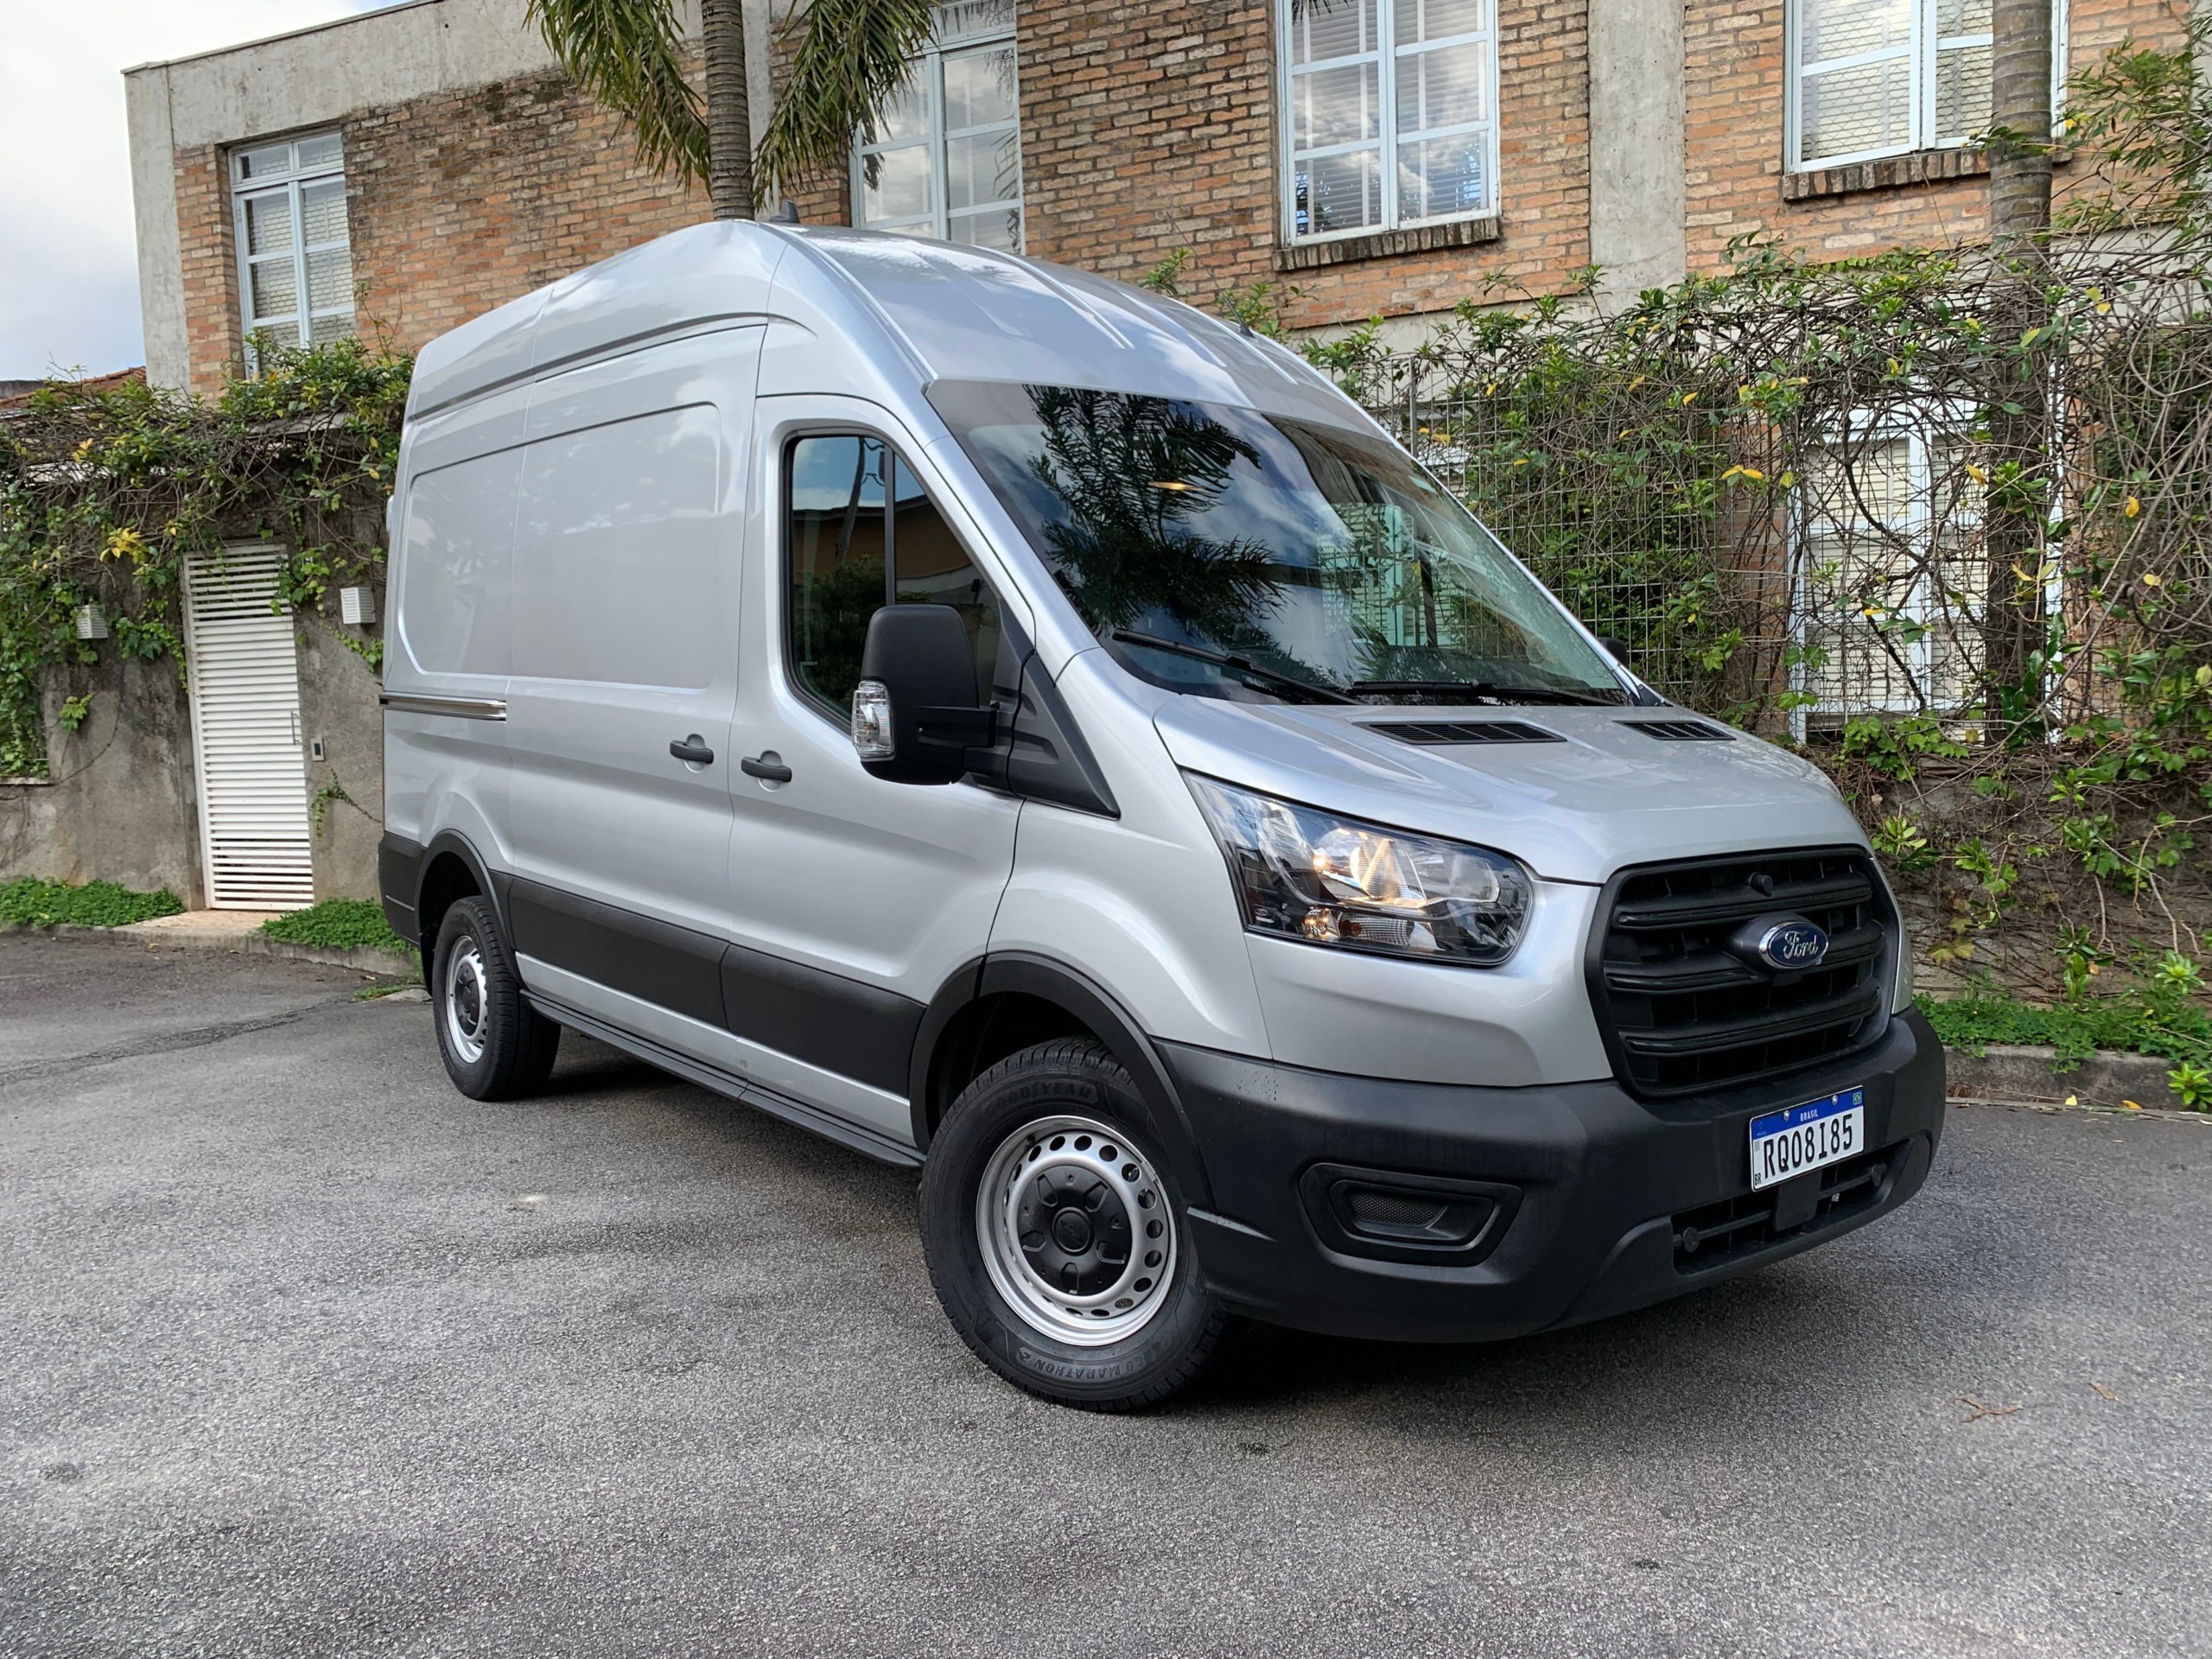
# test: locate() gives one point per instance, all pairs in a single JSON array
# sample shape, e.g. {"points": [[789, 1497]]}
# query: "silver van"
{"points": [[1019, 727]]}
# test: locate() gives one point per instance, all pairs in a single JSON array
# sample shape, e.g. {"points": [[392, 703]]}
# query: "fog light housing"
{"points": [[1406, 1217]]}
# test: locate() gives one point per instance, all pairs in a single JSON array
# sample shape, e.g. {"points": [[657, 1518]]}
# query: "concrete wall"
{"points": [[120, 807], [338, 706]]}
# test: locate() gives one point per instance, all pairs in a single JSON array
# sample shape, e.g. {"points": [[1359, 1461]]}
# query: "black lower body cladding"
{"points": [[1594, 1183]]}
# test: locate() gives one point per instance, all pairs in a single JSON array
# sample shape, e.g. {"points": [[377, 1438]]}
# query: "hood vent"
{"points": [[1682, 731], [1442, 734]]}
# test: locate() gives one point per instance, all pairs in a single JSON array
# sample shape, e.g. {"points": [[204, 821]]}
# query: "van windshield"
{"points": [[1220, 551]]}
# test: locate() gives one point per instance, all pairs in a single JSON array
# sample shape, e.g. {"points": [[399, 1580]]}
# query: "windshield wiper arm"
{"points": [[1480, 690], [1230, 659]]}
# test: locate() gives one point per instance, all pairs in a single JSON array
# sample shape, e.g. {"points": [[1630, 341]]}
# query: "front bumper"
{"points": [[1605, 1185]]}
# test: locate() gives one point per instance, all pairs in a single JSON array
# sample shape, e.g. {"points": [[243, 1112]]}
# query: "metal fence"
{"points": [[1785, 585]]}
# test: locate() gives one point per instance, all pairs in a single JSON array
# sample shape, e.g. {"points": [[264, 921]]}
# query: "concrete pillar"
{"points": [[1638, 195], [161, 257]]}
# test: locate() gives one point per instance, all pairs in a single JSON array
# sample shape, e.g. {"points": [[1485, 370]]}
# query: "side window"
{"points": [[838, 571]]}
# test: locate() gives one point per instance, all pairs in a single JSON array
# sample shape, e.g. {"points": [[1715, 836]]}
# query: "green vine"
{"points": [[105, 492]]}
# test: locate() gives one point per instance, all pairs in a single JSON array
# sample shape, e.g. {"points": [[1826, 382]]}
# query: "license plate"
{"points": [[1798, 1138]]}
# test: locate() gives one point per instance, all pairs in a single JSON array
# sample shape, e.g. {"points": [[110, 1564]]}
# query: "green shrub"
{"points": [[97, 904], [2150, 1017], [337, 924]]}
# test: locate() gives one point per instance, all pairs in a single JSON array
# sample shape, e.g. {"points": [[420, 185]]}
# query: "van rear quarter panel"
{"points": [[448, 602]]}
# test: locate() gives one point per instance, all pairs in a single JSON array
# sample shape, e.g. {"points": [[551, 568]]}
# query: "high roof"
{"points": [[893, 312]]}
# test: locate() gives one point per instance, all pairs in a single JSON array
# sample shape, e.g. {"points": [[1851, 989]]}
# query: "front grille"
{"points": [[1438, 734], [1716, 1234], [1684, 1012]]}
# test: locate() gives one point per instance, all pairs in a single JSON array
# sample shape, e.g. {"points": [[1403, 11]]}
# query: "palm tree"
{"points": [[628, 54]]}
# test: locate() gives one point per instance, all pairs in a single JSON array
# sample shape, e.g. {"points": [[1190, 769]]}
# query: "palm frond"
{"points": [[852, 57], [626, 54]]}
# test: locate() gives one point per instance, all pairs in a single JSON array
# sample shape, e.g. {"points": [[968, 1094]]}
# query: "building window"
{"points": [[1875, 78], [946, 157], [1390, 114], [295, 267], [1889, 556]]}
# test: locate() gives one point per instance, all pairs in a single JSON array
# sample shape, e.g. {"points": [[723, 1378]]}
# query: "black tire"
{"points": [[999, 1131], [476, 1002]]}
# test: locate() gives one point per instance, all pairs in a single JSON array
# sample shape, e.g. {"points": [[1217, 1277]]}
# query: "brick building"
{"points": [[404, 170]]}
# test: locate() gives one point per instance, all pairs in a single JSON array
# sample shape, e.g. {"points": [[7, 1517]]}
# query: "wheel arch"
{"points": [[452, 869], [1002, 1003]]}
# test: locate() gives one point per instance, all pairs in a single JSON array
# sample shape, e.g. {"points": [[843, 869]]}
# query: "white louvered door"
{"points": [[244, 671]]}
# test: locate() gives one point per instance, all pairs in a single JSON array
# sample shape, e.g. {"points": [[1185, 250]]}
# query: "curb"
{"points": [[363, 960], [2022, 1073]]}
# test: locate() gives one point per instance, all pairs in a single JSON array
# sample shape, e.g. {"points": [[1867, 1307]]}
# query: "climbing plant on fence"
{"points": [[1777, 483], [105, 491], [1774, 483]]}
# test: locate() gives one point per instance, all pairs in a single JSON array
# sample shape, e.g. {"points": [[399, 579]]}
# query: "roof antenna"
{"points": [[787, 213]]}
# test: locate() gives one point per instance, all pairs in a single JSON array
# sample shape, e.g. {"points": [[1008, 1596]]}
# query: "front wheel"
{"points": [[1055, 1239]]}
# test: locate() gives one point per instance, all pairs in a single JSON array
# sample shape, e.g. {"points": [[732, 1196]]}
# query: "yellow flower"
{"points": [[125, 543]]}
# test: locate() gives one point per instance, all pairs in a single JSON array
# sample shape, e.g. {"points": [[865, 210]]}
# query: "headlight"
{"points": [[1306, 875], [1903, 1000]]}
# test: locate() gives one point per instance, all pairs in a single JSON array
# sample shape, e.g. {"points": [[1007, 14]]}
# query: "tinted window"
{"points": [[836, 552]]}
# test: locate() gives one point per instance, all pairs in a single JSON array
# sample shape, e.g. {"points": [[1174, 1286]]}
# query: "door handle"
{"points": [[692, 751], [765, 766]]}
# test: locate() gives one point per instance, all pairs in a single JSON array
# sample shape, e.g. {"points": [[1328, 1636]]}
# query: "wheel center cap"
{"points": [[1074, 1230]]}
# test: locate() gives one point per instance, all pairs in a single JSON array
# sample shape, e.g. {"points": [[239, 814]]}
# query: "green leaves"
{"points": [[103, 493], [628, 55], [852, 56]]}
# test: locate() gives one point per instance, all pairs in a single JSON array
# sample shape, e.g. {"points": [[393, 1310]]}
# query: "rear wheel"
{"points": [[1056, 1240], [496, 1047]]}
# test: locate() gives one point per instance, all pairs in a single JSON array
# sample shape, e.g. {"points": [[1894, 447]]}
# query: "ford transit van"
{"points": [[1022, 728]]}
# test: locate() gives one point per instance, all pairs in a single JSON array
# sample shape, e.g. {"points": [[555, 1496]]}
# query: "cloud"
{"points": [[68, 255]]}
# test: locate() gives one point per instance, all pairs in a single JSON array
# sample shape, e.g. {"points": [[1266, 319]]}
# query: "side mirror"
{"points": [[915, 712], [1616, 648]]}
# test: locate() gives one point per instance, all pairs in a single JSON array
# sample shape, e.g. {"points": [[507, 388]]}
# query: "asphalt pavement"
{"points": [[303, 1354]]}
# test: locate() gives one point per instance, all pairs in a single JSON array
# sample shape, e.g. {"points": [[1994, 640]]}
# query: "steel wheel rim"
{"points": [[1056, 1270], [468, 1000]]}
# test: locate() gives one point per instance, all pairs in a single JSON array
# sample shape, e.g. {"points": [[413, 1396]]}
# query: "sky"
{"points": [[68, 255]]}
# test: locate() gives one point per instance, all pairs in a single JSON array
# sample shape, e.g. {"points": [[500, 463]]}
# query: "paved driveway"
{"points": [[300, 1353]]}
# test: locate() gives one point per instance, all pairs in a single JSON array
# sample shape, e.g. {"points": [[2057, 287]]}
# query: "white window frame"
{"points": [[1386, 56], [929, 66], [1925, 47], [289, 184]]}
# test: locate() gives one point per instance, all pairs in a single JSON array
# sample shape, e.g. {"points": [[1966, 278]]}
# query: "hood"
{"points": [[1604, 796]]}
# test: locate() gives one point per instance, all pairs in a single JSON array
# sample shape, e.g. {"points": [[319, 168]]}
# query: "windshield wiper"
{"points": [[1230, 659], [1479, 691]]}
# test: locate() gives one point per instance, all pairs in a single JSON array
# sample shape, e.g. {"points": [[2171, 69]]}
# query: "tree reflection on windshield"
{"points": [[1134, 473], [1313, 553]]}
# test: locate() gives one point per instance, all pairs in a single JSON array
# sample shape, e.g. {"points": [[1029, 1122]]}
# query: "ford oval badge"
{"points": [[1793, 945]]}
